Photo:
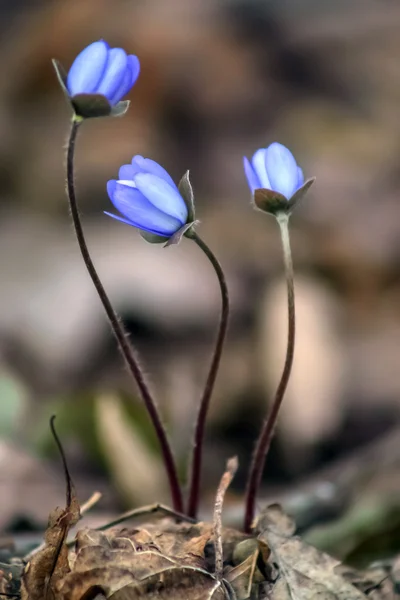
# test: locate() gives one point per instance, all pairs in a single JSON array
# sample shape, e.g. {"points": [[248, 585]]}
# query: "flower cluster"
{"points": [[144, 194], [146, 197]]}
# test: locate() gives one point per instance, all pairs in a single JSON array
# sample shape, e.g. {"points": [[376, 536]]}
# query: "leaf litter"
{"points": [[176, 559]]}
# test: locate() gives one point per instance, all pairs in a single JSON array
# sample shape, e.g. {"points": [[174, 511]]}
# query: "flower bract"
{"points": [[274, 168], [147, 198], [99, 69]]}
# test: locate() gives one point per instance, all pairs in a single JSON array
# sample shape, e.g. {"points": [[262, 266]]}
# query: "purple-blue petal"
{"points": [[258, 163], [144, 165], [111, 186], [87, 69], [162, 195], [127, 221], [141, 213], [113, 74], [147, 165], [132, 224], [281, 169], [127, 172], [300, 179], [251, 175], [131, 74]]}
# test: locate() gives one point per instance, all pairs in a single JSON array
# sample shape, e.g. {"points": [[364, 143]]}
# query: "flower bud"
{"points": [[98, 79], [148, 199], [275, 179]]}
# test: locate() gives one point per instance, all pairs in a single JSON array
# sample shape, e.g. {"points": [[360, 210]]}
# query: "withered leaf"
{"points": [[274, 519], [10, 577], [50, 563], [378, 582], [180, 583], [250, 558], [241, 577], [134, 564], [305, 573]]}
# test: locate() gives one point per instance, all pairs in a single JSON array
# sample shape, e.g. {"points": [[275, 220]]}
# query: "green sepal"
{"points": [[61, 76], [301, 192], [153, 238], [270, 202], [176, 238], [275, 203], [120, 109], [186, 191], [87, 106]]}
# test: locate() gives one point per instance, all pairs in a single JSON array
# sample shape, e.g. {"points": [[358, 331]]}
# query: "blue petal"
{"points": [[162, 195], [134, 224], [120, 219], [87, 69], [113, 74], [141, 213], [251, 175], [147, 165], [131, 74], [144, 165], [258, 162], [300, 179], [282, 169], [127, 172]]}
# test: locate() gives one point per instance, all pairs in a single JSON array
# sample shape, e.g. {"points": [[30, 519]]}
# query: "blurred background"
{"points": [[219, 79]]}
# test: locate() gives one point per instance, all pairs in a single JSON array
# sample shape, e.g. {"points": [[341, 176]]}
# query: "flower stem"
{"points": [[268, 429], [195, 474], [119, 330]]}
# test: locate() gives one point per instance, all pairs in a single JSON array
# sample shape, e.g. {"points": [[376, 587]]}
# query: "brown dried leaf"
{"points": [[377, 582], [180, 584], [241, 577], [50, 563], [274, 519], [141, 562], [250, 557], [10, 577], [305, 573]]}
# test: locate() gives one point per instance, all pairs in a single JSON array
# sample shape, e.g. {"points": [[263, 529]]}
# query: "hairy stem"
{"points": [[195, 474], [119, 331], [268, 429]]}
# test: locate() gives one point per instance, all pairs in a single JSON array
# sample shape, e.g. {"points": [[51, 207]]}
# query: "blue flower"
{"points": [[274, 168], [147, 198], [99, 69]]}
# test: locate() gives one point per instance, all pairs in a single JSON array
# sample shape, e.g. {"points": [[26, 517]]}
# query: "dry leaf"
{"points": [[165, 559], [378, 582], [50, 563], [250, 558], [305, 573], [178, 584], [241, 577]]}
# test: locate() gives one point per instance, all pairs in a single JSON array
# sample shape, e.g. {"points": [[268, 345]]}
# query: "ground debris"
{"points": [[175, 560], [163, 560]]}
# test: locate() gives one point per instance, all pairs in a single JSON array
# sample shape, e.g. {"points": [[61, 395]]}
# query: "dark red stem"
{"points": [[120, 333], [195, 474]]}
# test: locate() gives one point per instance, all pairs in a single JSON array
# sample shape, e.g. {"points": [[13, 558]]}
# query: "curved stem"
{"points": [[119, 331], [195, 474], [268, 429]]}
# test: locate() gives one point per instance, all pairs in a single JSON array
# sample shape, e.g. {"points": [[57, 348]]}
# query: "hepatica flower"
{"points": [[147, 198], [99, 69], [98, 79], [275, 179]]}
